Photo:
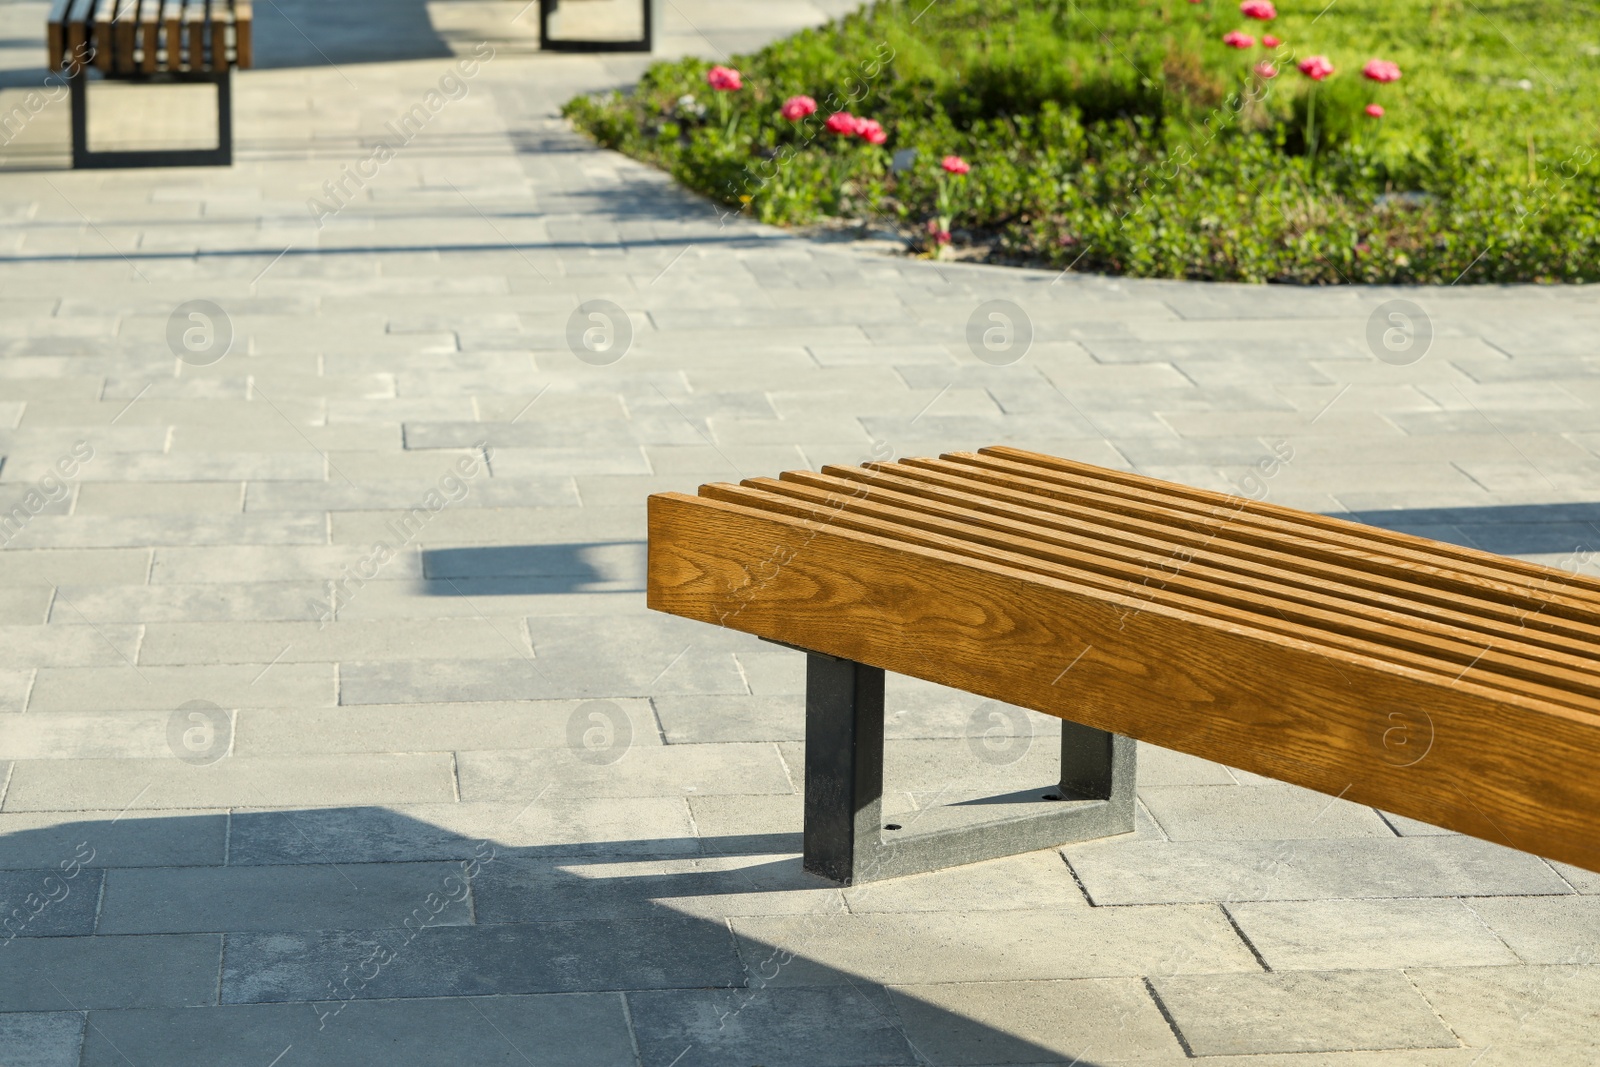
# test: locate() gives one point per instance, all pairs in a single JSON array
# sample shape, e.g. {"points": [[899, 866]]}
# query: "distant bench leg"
{"points": [[845, 836]]}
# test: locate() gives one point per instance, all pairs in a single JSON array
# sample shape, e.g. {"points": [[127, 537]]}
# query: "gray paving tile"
{"points": [[51, 973], [41, 1039], [152, 784], [1553, 930], [516, 889], [1259, 813], [845, 1027], [343, 896], [112, 839], [1144, 872], [1308, 1011], [658, 771], [15, 685], [996, 946], [166, 687], [56, 901], [1091, 1020], [1325, 935], [104, 566], [545, 957], [1545, 1014], [251, 641], [536, 821]]}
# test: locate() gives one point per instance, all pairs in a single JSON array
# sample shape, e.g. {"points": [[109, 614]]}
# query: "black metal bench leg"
{"points": [[220, 156], [846, 839]]}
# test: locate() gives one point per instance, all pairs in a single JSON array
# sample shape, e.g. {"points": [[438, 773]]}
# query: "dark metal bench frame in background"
{"points": [[645, 43], [846, 837], [140, 49]]}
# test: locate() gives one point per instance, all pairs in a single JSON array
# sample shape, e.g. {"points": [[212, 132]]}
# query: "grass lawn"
{"points": [[1128, 137]]}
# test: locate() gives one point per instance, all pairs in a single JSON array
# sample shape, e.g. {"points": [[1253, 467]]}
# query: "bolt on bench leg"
{"points": [[845, 838]]}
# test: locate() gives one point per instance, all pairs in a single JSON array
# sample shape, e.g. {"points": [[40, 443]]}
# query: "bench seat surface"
{"points": [[1436, 682], [132, 37]]}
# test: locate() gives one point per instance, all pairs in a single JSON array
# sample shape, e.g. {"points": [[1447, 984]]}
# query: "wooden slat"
{"points": [[1187, 539], [172, 35], [194, 26], [101, 35], [1399, 604], [79, 42], [55, 33], [150, 36], [1406, 547], [220, 18], [1500, 765], [125, 30], [1229, 520], [1562, 680], [243, 18]]}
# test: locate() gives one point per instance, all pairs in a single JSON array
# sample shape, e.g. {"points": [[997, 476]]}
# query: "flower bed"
{"points": [[1380, 142]]}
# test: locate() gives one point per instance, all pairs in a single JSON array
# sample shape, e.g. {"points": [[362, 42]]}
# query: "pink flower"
{"points": [[1238, 39], [1381, 70], [1258, 9], [955, 164], [1266, 70], [842, 122], [1316, 67], [1375, 110], [798, 107], [724, 79], [1269, 41], [939, 236], [871, 131]]}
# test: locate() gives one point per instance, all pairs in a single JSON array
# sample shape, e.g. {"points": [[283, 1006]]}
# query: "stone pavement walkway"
{"points": [[335, 732]]}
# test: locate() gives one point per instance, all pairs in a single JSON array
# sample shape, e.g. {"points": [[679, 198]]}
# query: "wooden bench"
{"points": [[1436, 682], [150, 41]]}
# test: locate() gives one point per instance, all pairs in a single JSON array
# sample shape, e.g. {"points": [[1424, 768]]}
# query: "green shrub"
{"points": [[1127, 138]]}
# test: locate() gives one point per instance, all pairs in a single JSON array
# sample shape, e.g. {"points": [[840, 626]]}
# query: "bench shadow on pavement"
{"points": [[313, 926], [315, 33]]}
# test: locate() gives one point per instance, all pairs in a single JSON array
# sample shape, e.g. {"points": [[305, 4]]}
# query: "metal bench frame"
{"points": [[846, 838], [646, 43], [220, 156]]}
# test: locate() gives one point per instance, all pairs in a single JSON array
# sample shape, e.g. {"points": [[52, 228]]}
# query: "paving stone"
{"points": [[563, 1030], [537, 821], [151, 784], [166, 687], [1325, 935], [992, 946], [15, 685], [104, 566], [843, 1027], [487, 726], [218, 601], [1016, 883], [235, 565], [545, 957], [1144, 872], [112, 839], [1553, 930], [1089, 1020], [172, 498], [516, 889], [341, 896], [1545, 1014], [41, 1039], [1331, 1011], [57, 901], [1269, 813], [78, 973], [659, 771], [306, 642]]}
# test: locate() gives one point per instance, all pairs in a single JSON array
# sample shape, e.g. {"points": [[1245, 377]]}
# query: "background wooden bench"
{"points": [[1436, 682], [150, 41]]}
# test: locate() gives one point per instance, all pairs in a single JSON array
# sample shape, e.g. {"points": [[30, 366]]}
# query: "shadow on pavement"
{"points": [[363, 936]]}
